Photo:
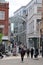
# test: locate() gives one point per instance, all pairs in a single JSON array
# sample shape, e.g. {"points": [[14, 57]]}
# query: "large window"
{"points": [[38, 10], [31, 27], [38, 1], [2, 15], [16, 30]]}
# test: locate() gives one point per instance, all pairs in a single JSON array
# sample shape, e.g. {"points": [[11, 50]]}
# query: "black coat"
{"points": [[22, 52], [36, 53], [32, 51]]}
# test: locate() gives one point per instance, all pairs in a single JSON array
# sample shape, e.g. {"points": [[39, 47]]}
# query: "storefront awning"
{"points": [[5, 38]]}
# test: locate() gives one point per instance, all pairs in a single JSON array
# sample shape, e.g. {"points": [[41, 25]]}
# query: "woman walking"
{"points": [[22, 54], [32, 52]]}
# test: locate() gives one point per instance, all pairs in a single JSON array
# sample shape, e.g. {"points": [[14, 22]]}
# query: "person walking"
{"points": [[22, 54], [1, 50], [32, 52], [36, 53], [27, 52]]}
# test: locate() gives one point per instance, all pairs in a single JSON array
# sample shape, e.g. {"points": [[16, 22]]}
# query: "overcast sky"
{"points": [[16, 4]]}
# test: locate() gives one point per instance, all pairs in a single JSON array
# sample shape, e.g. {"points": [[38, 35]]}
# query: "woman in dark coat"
{"points": [[22, 54]]}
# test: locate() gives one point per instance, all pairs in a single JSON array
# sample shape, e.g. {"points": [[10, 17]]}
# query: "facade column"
{"points": [[18, 32], [27, 41], [35, 33], [35, 27]]}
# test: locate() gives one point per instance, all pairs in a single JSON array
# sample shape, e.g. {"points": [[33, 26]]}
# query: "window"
{"points": [[2, 15], [24, 11], [39, 1], [31, 27], [38, 24], [38, 10], [16, 30], [15, 24]]}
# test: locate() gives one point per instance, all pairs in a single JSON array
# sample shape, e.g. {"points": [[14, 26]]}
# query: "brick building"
{"points": [[4, 17]]}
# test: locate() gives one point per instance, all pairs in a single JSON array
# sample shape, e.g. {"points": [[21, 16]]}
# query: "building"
{"points": [[19, 23], [31, 15], [4, 22], [4, 17], [33, 19]]}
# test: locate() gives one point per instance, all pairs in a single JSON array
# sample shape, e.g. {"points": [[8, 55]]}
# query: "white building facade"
{"points": [[27, 19], [33, 19]]}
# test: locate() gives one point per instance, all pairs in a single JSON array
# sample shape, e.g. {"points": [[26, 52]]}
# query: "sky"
{"points": [[16, 4]]}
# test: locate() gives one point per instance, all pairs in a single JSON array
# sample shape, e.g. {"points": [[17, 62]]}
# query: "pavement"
{"points": [[16, 60], [18, 57], [12, 57]]}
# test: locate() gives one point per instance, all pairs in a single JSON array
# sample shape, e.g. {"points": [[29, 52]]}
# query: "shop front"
{"points": [[5, 41]]}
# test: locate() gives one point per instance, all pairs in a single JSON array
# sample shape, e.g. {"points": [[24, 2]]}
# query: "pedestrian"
{"points": [[1, 50], [11, 48], [22, 54], [36, 53], [1, 55], [19, 49], [32, 52], [27, 52]]}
